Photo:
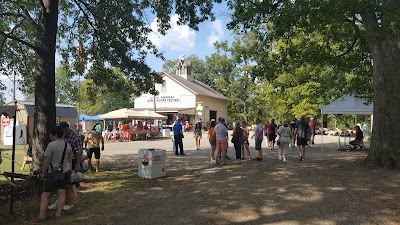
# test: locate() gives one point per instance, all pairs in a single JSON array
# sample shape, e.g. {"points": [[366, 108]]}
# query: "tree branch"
{"points": [[357, 29], [12, 37], [31, 20], [78, 3], [349, 49], [5, 14], [42, 4], [5, 39]]}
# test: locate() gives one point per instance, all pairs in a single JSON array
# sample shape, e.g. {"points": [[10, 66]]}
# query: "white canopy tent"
{"points": [[347, 104]]}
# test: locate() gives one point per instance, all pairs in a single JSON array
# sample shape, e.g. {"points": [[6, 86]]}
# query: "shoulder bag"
{"points": [[58, 171]]}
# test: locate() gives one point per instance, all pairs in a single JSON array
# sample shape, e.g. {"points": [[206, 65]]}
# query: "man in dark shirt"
{"points": [[302, 131], [271, 131]]}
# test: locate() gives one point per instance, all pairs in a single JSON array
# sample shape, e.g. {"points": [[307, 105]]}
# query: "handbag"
{"points": [[58, 171]]}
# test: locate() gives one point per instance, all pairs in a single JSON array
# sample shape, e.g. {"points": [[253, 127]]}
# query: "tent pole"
{"points": [[13, 160], [322, 131]]}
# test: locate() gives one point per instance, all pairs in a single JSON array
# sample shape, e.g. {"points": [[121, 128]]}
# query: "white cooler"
{"points": [[165, 132], [151, 163]]}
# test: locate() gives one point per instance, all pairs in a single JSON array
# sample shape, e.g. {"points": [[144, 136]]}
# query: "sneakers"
{"points": [[67, 207], [53, 206]]}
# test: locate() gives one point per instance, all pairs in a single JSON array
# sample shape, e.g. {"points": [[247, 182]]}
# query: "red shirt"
{"points": [[311, 125], [271, 128]]}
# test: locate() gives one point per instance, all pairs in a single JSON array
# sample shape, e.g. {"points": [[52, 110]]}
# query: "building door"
{"points": [[213, 115]]}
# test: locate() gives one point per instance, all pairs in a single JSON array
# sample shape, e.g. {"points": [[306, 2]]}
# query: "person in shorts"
{"points": [[53, 156], [302, 131], [258, 137], [213, 140], [92, 144], [221, 133], [271, 133]]}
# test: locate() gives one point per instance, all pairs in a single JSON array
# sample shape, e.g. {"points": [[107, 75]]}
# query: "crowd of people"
{"points": [[64, 154], [283, 136]]}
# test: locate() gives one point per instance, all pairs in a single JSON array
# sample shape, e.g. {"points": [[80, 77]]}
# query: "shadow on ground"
{"points": [[330, 187]]}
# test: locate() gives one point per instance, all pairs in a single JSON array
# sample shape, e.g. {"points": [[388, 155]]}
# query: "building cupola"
{"points": [[184, 69]]}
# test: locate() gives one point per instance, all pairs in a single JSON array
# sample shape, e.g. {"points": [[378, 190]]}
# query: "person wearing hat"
{"points": [[75, 141], [92, 144]]}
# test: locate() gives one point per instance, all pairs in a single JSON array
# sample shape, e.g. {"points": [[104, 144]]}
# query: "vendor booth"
{"points": [[348, 104], [130, 131]]}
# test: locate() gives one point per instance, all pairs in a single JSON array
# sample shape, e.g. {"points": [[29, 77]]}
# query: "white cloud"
{"points": [[178, 38], [217, 32]]}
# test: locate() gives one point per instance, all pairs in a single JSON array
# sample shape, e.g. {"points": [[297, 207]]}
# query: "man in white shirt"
{"points": [[258, 137]]}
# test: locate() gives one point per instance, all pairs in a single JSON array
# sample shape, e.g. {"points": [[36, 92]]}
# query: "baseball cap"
{"points": [[63, 124]]}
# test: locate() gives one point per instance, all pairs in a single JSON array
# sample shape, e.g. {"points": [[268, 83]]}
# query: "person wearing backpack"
{"points": [[57, 156]]}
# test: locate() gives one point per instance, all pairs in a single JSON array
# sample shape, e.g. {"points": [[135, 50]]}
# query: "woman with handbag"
{"points": [[56, 171]]}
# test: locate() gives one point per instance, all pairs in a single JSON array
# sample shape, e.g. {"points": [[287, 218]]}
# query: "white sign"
{"points": [[164, 99], [8, 131]]}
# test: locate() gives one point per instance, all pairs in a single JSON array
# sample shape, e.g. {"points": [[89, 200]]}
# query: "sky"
{"points": [[178, 43], [181, 41]]}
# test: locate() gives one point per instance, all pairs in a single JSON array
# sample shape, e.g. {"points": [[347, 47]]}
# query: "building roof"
{"points": [[196, 86], [62, 110]]}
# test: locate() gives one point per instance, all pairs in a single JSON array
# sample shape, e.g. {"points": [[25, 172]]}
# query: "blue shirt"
{"points": [[365, 127], [220, 132], [98, 128], [177, 128], [258, 132]]}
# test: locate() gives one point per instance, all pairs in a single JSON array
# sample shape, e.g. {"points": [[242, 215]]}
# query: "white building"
{"points": [[182, 96]]}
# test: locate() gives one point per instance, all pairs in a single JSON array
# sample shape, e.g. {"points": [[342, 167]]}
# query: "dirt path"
{"points": [[330, 187]]}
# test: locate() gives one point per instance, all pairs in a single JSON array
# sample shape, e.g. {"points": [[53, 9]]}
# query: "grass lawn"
{"points": [[116, 179], [6, 153]]}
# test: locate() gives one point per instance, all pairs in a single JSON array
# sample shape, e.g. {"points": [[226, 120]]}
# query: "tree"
{"points": [[102, 98], [354, 33], [109, 33]]}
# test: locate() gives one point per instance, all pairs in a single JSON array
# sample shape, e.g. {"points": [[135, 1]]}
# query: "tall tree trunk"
{"points": [[385, 151], [45, 104], [384, 44]]}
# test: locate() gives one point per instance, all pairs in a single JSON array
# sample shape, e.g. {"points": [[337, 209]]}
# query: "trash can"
{"points": [[151, 163], [165, 132]]}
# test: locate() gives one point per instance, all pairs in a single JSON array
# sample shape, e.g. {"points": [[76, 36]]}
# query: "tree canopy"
{"points": [[357, 37], [107, 33]]}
